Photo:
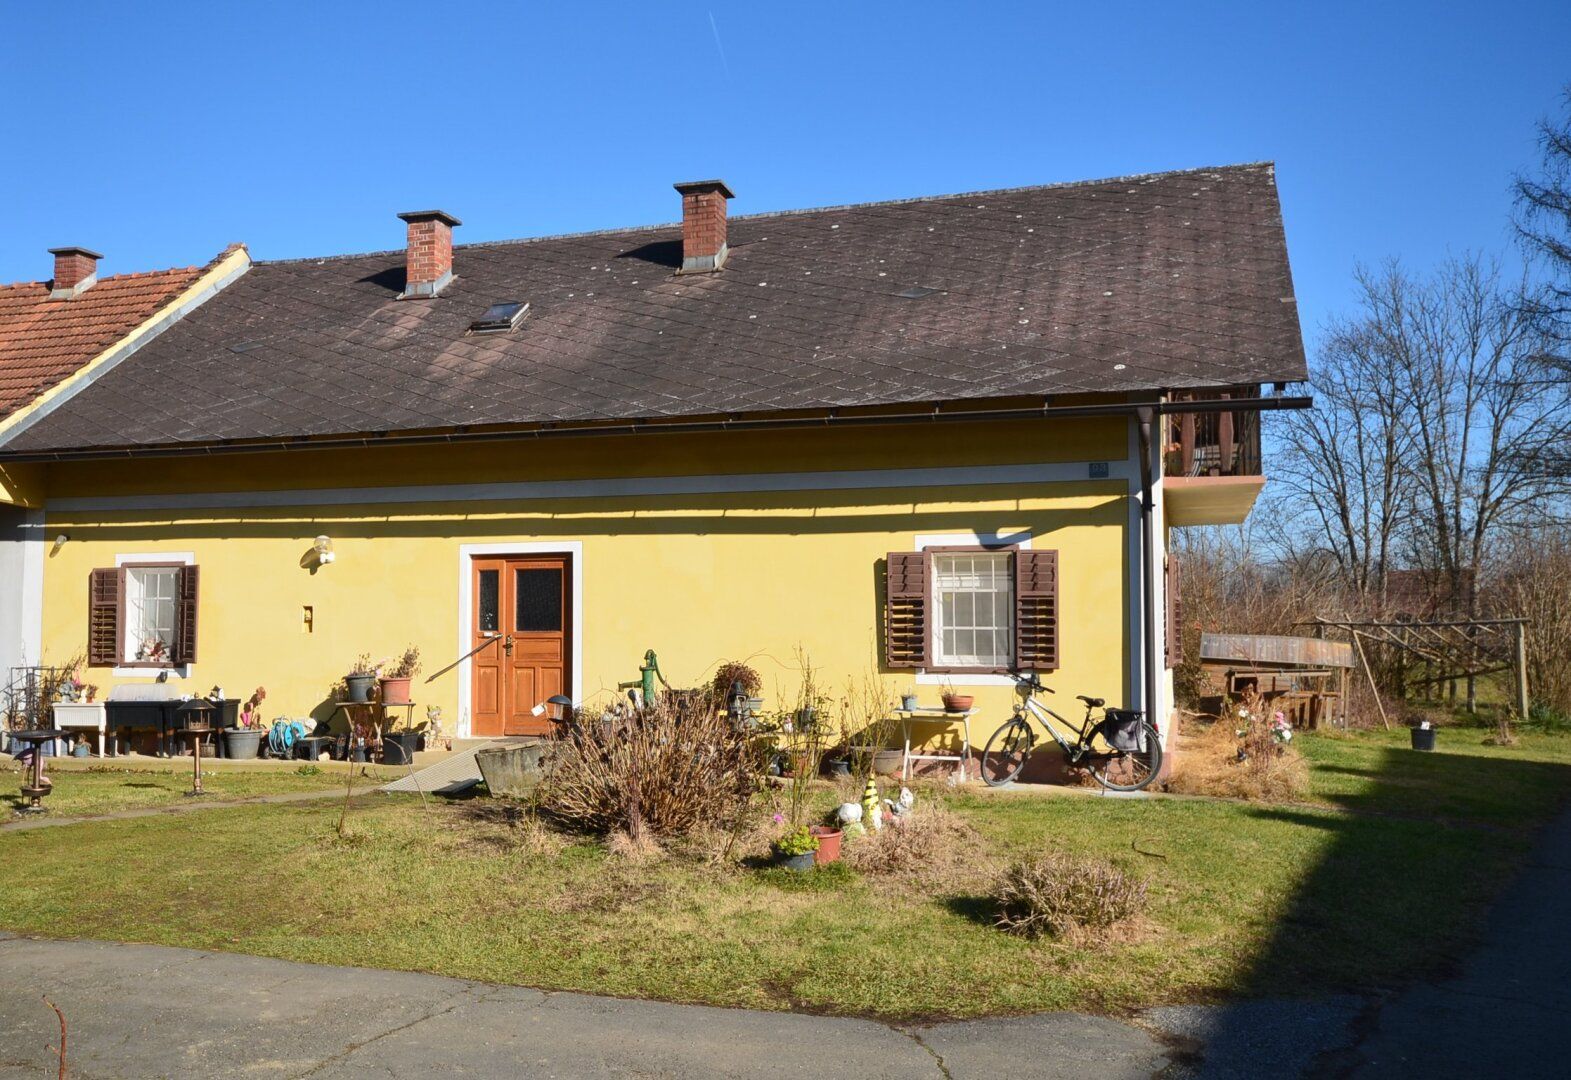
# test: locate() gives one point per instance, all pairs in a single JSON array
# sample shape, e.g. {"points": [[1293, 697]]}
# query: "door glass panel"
{"points": [[539, 599], [490, 606]]}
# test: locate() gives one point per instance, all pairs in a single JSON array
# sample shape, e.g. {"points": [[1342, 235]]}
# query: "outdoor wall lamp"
{"points": [[59, 543], [323, 546]]}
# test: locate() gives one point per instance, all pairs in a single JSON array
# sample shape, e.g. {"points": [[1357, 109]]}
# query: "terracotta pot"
{"points": [[828, 844], [958, 702], [395, 691], [888, 762]]}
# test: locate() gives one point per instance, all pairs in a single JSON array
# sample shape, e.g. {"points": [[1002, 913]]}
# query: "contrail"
{"points": [[719, 47]]}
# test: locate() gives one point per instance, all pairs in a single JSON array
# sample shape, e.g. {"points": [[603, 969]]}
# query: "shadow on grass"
{"points": [[978, 909], [1392, 900]]}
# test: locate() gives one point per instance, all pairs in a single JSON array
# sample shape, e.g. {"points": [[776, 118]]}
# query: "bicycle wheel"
{"points": [[1006, 752], [1129, 770]]}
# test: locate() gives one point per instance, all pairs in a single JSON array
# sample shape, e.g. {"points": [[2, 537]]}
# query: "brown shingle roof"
{"points": [[1170, 280], [43, 341]]}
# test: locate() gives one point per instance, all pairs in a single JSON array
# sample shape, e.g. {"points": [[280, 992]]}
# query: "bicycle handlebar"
{"points": [[1033, 681]]}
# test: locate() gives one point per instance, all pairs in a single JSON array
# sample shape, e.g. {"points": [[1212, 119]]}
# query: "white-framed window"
{"points": [[974, 594], [151, 595]]}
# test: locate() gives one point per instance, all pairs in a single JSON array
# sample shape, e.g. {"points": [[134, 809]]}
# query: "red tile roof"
{"points": [[44, 341]]}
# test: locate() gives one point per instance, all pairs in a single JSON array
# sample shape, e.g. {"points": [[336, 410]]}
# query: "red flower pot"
{"points": [[828, 844], [395, 691], [958, 702]]}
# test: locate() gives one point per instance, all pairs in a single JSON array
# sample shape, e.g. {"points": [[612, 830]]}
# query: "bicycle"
{"points": [[1121, 750]]}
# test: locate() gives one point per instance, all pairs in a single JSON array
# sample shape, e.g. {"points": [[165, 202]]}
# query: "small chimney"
{"points": [[76, 268], [703, 225], [428, 264]]}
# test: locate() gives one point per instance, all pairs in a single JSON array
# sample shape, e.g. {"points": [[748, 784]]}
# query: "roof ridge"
{"points": [[767, 214]]}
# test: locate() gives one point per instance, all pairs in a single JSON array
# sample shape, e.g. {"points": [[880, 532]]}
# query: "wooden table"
{"points": [[373, 723], [935, 716]]}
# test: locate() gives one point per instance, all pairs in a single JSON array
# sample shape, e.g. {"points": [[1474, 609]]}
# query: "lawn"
{"points": [[106, 787], [1244, 898]]}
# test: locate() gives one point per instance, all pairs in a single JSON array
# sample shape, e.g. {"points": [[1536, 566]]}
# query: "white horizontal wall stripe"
{"points": [[612, 487]]}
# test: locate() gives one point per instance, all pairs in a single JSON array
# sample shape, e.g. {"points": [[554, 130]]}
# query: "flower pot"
{"points": [[888, 762], [796, 762], [1423, 738], [395, 691], [804, 718], [958, 702], [242, 742], [398, 747], [828, 844], [837, 767], [908, 702], [359, 687], [755, 704], [801, 863]]}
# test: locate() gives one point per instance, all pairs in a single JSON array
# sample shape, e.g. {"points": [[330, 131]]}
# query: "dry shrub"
{"points": [[935, 847], [665, 771], [1208, 763], [1066, 896]]}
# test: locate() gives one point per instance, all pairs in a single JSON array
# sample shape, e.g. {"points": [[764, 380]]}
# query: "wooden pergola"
{"points": [[1430, 652]]}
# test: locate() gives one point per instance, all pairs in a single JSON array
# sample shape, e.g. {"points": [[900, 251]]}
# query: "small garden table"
{"points": [[366, 730], [935, 716], [88, 715]]}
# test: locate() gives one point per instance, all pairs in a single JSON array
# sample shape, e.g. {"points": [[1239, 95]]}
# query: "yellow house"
{"points": [[943, 438], [56, 337]]}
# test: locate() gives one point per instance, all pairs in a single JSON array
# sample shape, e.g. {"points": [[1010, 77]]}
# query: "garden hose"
{"points": [[282, 737]]}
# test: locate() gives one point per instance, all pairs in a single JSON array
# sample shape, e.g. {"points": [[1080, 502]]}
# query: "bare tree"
{"points": [[1340, 478], [1543, 225], [1476, 425]]}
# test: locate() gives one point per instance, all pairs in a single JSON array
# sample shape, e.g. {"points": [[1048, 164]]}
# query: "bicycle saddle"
{"points": [[1093, 702]]}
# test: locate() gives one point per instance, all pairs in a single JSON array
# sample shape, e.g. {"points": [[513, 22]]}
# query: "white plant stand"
{"points": [[83, 715], [936, 716]]}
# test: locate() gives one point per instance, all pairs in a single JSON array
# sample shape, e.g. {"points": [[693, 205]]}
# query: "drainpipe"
{"points": [[1145, 416]]}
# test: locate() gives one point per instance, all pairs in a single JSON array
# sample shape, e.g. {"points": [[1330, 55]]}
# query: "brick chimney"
{"points": [[76, 268], [703, 225], [428, 264]]}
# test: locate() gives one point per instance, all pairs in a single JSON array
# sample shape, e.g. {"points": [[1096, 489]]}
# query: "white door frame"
{"points": [[574, 549]]}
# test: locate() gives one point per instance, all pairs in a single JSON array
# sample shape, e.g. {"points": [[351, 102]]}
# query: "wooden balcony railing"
{"points": [[1224, 443]]}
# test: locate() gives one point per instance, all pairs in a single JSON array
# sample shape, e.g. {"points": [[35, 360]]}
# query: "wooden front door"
{"points": [[520, 626]]}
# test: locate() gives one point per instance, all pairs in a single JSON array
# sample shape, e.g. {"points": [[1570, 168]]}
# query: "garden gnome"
{"points": [[850, 817], [872, 813]]}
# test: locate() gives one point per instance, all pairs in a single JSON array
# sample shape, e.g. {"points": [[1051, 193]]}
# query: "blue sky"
{"points": [[158, 133]]}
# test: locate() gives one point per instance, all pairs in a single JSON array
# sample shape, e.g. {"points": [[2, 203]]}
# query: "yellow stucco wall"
{"points": [[699, 578]]}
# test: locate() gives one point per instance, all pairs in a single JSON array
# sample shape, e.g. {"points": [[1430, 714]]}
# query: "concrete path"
{"points": [[148, 1011], [26, 822], [1500, 1014]]}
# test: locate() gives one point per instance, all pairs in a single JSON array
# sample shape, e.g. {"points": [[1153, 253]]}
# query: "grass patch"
{"points": [[1248, 898], [106, 788]]}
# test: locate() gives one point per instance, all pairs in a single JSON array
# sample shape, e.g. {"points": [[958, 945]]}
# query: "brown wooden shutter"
{"points": [[105, 588], [184, 651], [1174, 648], [905, 609], [1036, 610]]}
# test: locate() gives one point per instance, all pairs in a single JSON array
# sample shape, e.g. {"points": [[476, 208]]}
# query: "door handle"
{"points": [[507, 646]]}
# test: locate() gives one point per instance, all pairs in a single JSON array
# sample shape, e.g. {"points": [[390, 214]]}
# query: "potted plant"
{"points": [[909, 700], [395, 680], [245, 740], [828, 849], [796, 849], [954, 702], [361, 679], [734, 676]]}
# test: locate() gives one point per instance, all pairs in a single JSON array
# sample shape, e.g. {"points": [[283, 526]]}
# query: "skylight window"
{"points": [[500, 318]]}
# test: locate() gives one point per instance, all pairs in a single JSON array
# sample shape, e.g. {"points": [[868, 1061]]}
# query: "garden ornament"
{"points": [[849, 812], [906, 800], [872, 813]]}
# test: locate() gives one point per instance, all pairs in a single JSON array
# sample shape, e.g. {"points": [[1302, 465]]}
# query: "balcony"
{"points": [[1212, 469]]}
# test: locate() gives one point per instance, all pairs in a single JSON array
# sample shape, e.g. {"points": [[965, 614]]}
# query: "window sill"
{"points": [[150, 671], [938, 677]]}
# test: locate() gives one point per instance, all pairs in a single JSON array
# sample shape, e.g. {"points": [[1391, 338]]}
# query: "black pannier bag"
{"points": [[1122, 730]]}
